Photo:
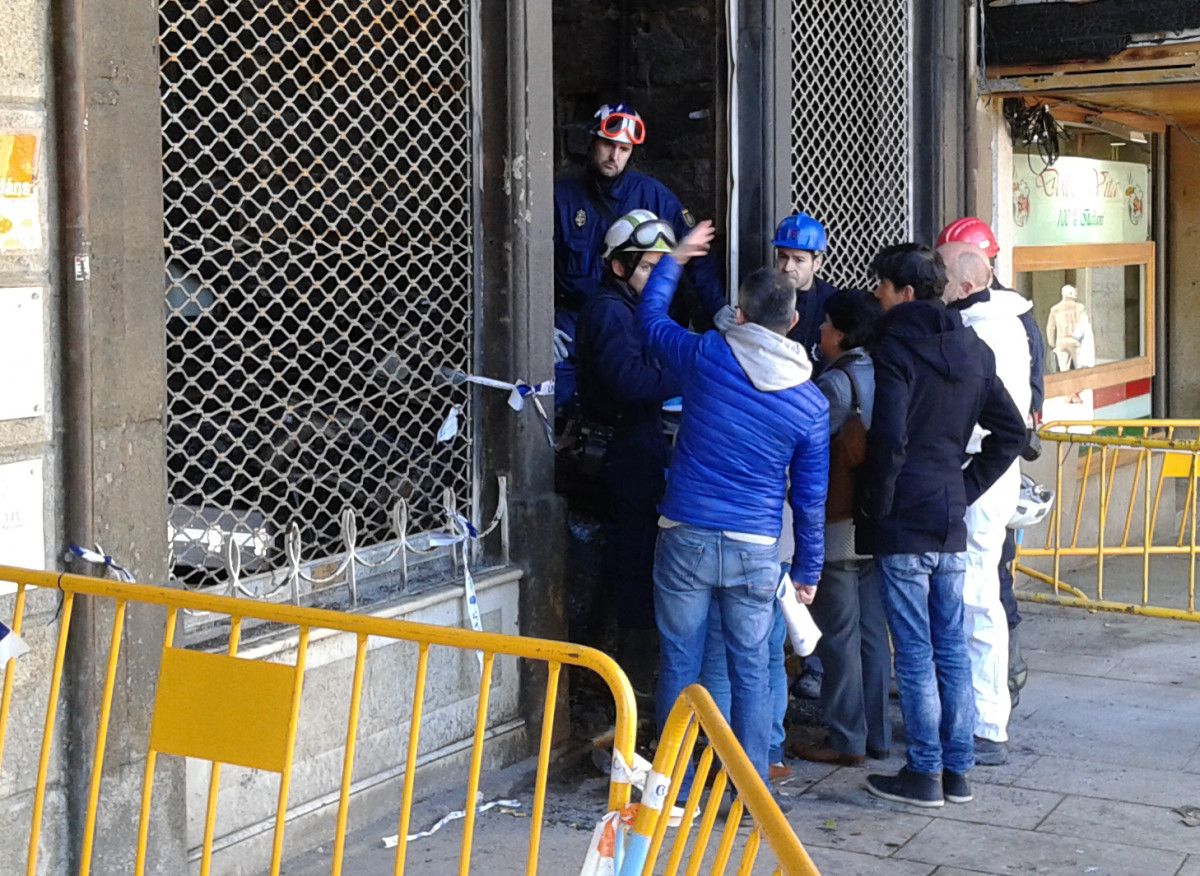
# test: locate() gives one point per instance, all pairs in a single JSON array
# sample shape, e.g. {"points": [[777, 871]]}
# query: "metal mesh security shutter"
{"points": [[317, 186], [851, 123]]}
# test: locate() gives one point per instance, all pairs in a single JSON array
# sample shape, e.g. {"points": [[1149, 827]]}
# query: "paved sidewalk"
{"points": [[1105, 743]]}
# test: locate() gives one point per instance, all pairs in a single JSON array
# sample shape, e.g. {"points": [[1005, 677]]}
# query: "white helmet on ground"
{"points": [[1033, 504]]}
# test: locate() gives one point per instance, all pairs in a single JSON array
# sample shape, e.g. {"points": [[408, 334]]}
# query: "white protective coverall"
{"points": [[998, 325]]}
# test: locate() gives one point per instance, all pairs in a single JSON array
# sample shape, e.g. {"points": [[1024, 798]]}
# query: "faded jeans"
{"points": [[714, 675], [695, 568], [923, 601]]}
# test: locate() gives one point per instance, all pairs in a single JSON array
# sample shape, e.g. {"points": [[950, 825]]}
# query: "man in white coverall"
{"points": [[994, 314]]}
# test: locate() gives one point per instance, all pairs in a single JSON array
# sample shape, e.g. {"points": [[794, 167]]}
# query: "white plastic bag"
{"points": [[802, 630]]}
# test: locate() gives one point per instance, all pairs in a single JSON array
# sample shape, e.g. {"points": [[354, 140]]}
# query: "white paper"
{"points": [[802, 629]]}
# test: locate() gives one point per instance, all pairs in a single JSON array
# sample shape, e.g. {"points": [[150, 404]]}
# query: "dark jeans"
{"points": [[923, 599], [854, 653], [634, 483], [1007, 598]]}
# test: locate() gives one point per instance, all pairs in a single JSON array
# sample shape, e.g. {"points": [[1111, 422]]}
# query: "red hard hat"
{"points": [[973, 231]]}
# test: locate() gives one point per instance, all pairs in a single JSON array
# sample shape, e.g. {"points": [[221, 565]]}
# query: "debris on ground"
{"points": [[1189, 815], [509, 806]]}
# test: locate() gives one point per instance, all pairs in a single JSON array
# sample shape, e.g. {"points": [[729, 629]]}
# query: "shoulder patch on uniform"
{"points": [[688, 218], [580, 218]]}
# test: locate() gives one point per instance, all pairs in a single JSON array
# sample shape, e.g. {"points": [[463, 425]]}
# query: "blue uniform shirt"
{"points": [[580, 224]]}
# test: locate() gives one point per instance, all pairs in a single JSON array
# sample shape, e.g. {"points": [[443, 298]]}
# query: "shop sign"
{"points": [[20, 225], [1080, 200]]}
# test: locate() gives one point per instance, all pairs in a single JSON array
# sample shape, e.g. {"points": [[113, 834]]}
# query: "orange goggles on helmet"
{"points": [[618, 126]]}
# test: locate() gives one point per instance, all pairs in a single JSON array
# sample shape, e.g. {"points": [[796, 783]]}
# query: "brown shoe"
{"points": [[825, 754], [779, 771]]}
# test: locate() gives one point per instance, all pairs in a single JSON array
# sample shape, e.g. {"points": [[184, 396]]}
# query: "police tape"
{"points": [[101, 559], [462, 538], [518, 392]]}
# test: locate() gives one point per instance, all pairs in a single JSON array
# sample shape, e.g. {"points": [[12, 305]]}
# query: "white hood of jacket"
{"points": [[771, 361], [997, 323], [1002, 303]]}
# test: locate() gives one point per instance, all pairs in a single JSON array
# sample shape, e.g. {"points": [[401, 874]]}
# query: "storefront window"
{"points": [[1085, 257], [1090, 316]]}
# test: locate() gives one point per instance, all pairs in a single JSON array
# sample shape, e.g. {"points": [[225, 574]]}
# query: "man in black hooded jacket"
{"points": [[934, 380]]}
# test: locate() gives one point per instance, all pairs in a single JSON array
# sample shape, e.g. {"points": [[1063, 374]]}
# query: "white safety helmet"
{"points": [[1033, 504], [638, 231]]}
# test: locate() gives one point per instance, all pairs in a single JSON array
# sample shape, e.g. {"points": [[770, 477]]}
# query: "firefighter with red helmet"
{"points": [[977, 233]]}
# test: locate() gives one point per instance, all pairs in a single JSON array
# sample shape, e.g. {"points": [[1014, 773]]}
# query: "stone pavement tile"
{"points": [[870, 826], [838, 863], [1108, 720], [1104, 634], [1165, 666], [993, 804], [1066, 663], [1110, 782], [1020, 758], [1193, 764], [957, 871], [961, 844], [1129, 823], [1191, 867]]}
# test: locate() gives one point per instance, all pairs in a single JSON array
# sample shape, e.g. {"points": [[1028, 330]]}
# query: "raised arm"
{"points": [[674, 345]]}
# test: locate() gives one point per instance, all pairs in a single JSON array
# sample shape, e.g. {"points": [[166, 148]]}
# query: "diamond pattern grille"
{"points": [[851, 123], [317, 174]]}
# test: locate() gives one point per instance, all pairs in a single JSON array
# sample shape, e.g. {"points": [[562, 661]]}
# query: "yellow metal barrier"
{"points": [[695, 712], [204, 702], [1089, 457]]}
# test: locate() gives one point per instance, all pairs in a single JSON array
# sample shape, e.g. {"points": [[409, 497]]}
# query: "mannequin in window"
{"points": [[1069, 332]]}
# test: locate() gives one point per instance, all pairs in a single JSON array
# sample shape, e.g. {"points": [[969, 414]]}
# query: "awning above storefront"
{"points": [[1144, 89]]}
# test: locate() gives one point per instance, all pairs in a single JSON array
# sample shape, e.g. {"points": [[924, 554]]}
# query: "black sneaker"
{"points": [[989, 753], [956, 788], [917, 789]]}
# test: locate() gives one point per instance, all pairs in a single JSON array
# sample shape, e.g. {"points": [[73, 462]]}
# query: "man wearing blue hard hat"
{"points": [[585, 206], [800, 244]]}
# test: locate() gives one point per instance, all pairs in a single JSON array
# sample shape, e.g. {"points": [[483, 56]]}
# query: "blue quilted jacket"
{"points": [[751, 417]]}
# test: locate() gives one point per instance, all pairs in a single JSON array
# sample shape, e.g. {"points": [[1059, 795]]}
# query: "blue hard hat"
{"points": [[801, 231]]}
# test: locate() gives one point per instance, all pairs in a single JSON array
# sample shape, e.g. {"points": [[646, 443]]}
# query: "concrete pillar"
{"points": [[516, 306]]}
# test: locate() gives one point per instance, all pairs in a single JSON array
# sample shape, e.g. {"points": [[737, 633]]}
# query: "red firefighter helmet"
{"points": [[973, 231]]}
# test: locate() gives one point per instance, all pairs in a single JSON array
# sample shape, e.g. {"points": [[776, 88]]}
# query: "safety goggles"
{"points": [[619, 126], [648, 234]]}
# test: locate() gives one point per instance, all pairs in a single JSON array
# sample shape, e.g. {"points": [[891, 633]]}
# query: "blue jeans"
{"points": [[923, 600], [714, 675], [694, 569]]}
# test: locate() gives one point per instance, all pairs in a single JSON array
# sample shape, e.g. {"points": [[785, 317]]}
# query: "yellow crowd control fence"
{"points": [[695, 713], [1124, 515], [204, 701]]}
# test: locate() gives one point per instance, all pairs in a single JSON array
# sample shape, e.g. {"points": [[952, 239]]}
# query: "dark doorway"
{"points": [[667, 58]]}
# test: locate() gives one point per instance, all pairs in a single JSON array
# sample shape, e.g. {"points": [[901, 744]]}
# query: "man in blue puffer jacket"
{"points": [[751, 417]]}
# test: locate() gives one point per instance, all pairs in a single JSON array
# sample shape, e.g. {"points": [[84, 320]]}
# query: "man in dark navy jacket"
{"points": [[585, 205], [934, 380], [622, 387]]}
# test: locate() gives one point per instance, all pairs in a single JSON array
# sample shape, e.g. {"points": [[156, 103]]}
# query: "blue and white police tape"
{"points": [[518, 392], [101, 559], [466, 532], [12, 646]]}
